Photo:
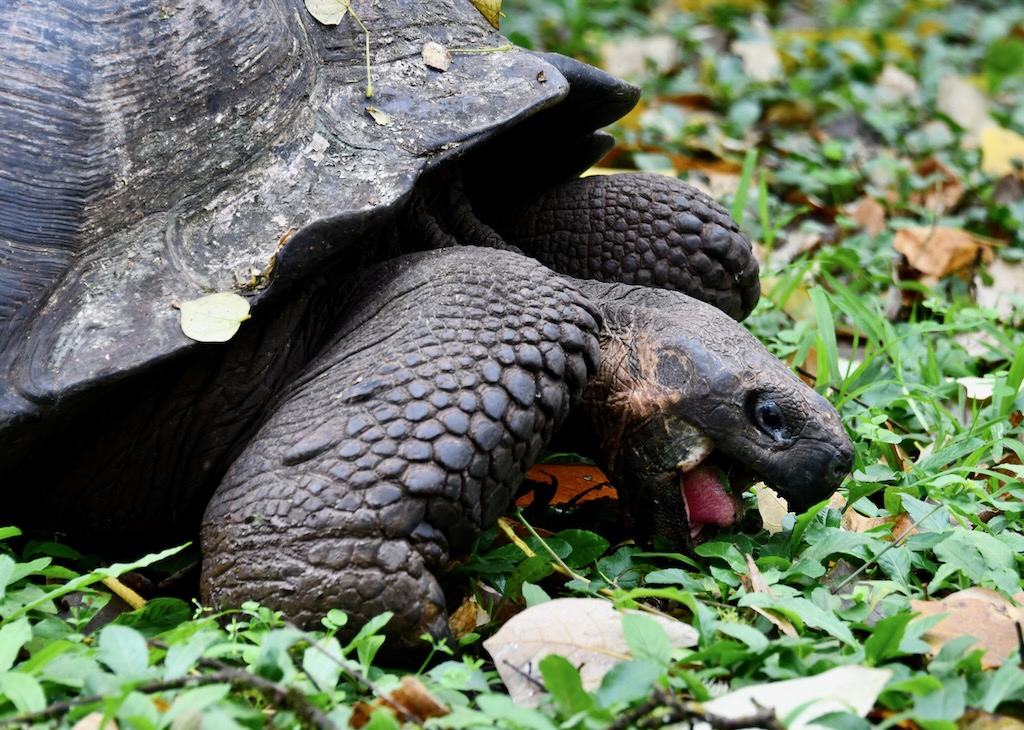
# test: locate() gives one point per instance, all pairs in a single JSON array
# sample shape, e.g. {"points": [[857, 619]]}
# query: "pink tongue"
{"points": [[707, 500]]}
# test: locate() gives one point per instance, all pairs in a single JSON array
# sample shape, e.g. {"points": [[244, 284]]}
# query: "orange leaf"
{"points": [[574, 483]]}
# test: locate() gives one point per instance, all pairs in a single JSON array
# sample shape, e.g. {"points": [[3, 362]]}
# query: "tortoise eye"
{"points": [[770, 418]]}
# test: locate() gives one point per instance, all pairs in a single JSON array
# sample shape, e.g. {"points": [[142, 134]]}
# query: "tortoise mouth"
{"points": [[712, 494]]}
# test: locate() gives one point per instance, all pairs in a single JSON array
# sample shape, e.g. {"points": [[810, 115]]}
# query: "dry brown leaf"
{"points": [[937, 251], [411, 701], [467, 618], [361, 713], [586, 631], [947, 190], [782, 624], [755, 583], [869, 214], [980, 720], [754, 579], [412, 696], [436, 56], [854, 521], [987, 615]]}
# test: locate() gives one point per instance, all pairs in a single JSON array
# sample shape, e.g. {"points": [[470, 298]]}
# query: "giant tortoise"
{"points": [[405, 361]]}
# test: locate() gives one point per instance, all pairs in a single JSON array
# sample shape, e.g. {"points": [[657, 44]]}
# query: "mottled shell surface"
{"points": [[150, 154]]}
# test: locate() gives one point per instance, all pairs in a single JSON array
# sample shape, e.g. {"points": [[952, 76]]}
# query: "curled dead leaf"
{"points": [[467, 618], [382, 118], [436, 56]]}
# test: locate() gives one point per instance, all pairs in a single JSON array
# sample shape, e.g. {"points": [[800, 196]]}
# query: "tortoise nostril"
{"points": [[840, 466]]}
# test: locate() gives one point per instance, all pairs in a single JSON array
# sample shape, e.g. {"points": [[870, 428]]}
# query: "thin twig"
{"points": [[895, 543], [237, 678], [678, 710]]}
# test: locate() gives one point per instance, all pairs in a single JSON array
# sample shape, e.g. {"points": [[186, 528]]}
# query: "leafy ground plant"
{"points": [[872, 150]]}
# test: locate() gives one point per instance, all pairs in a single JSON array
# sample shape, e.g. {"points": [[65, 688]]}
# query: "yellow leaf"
{"points": [[381, 117], [328, 12], [490, 9], [1002, 152], [215, 317]]}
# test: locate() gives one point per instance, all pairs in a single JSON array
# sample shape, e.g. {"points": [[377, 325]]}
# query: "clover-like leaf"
{"points": [[215, 317]]}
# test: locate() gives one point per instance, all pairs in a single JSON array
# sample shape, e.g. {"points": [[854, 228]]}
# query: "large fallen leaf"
{"points": [[987, 615], [215, 317], [843, 689], [938, 251], [586, 631]]}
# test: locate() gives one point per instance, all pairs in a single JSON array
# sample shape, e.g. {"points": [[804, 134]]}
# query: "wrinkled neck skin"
{"points": [[680, 380]]}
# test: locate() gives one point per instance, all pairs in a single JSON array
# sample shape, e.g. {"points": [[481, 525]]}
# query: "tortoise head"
{"points": [[690, 409]]}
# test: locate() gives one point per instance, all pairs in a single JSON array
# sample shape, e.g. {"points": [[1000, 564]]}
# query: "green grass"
{"points": [[925, 450]]}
